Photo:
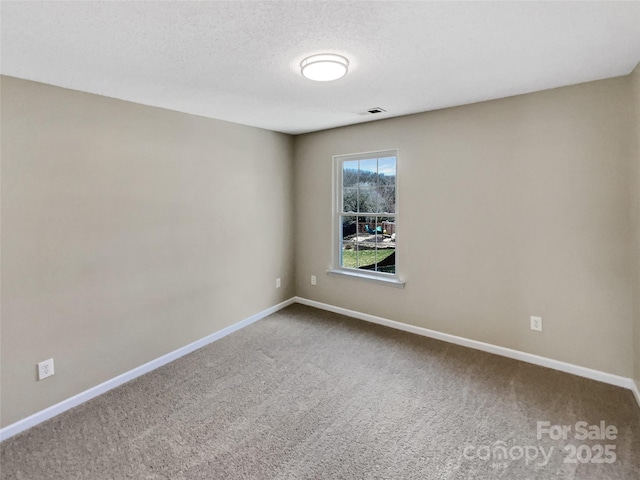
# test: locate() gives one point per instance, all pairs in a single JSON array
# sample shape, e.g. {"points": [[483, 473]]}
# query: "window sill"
{"points": [[367, 277]]}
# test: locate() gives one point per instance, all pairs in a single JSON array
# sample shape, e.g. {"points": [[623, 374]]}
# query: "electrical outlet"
{"points": [[536, 323], [278, 283], [313, 280], [45, 369]]}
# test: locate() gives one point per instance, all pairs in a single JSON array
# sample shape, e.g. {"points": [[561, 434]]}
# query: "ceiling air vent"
{"points": [[372, 111]]}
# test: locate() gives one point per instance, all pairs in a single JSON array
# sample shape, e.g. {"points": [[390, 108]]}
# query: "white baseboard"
{"points": [[485, 347], [636, 391], [82, 397], [58, 408]]}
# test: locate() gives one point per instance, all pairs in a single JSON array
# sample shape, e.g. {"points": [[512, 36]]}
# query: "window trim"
{"points": [[389, 279]]}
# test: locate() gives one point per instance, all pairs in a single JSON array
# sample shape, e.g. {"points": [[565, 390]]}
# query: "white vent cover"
{"points": [[372, 111]]}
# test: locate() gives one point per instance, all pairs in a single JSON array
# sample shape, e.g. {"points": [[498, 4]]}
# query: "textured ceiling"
{"points": [[239, 61]]}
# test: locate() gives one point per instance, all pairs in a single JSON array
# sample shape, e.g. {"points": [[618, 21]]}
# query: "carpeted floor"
{"points": [[306, 394]]}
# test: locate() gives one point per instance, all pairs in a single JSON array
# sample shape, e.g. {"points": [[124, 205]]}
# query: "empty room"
{"points": [[320, 240]]}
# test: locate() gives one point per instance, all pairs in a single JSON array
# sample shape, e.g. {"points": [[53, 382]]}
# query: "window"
{"points": [[366, 224]]}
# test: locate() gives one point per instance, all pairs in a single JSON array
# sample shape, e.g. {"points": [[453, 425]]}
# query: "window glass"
{"points": [[367, 213]]}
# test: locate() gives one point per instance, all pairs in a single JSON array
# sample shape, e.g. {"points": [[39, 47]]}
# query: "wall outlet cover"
{"points": [[45, 369], [536, 324]]}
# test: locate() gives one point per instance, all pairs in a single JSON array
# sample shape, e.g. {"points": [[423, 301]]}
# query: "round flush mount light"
{"points": [[324, 67]]}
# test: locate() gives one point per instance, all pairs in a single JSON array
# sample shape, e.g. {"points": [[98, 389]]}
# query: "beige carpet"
{"points": [[306, 394]]}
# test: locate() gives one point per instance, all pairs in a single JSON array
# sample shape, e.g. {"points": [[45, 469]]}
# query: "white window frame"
{"points": [[389, 279]]}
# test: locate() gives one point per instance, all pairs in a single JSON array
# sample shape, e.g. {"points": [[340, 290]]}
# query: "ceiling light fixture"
{"points": [[324, 67]]}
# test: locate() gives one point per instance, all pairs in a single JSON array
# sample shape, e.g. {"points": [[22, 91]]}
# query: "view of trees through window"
{"points": [[368, 214]]}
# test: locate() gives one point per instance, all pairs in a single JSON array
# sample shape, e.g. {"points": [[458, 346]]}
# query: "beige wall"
{"points": [[127, 232], [130, 231], [508, 208], [635, 214]]}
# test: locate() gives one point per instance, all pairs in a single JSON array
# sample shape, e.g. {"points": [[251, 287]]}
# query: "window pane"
{"points": [[387, 199], [368, 200], [388, 227], [349, 244], [368, 228], [350, 200], [369, 172], [387, 167], [350, 173], [386, 249], [386, 259]]}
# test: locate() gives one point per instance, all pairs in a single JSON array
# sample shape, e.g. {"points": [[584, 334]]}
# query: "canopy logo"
{"points": [[501, 455]]}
